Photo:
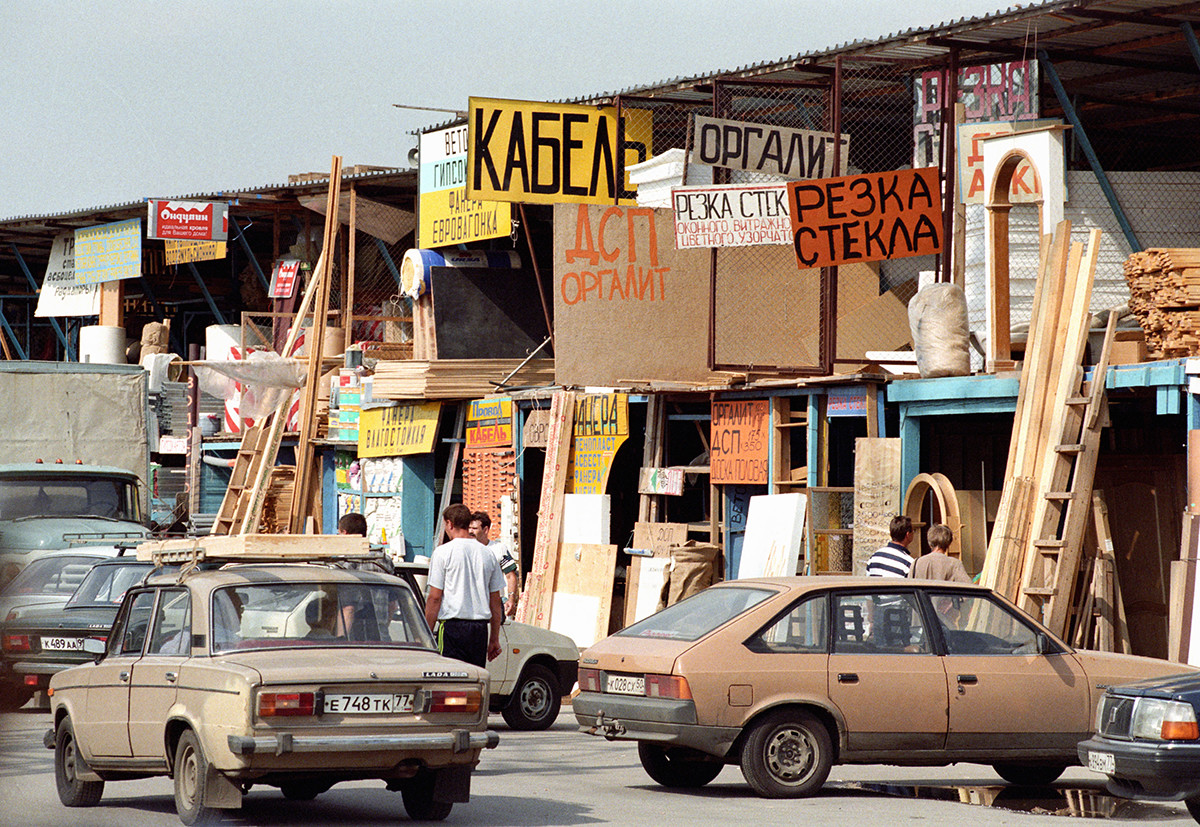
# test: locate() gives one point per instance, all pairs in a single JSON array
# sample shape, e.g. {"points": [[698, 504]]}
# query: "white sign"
{"points": [[60, 295], [731, 215], [774, 529], [755, 147]]}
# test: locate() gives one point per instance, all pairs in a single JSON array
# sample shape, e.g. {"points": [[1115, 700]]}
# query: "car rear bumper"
{"points": [[661, 720], [457, 741], [1166, 770]]}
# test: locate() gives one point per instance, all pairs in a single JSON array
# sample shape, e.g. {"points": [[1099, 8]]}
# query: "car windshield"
{"points": [[264, 615], [51, 575], [698, 615], [106, 585], [68, 496]]}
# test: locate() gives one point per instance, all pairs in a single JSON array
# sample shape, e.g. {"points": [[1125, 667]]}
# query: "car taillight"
{"points": [[17, 643], [589, 680], [667, 686], [275, 704], [455, 700]]}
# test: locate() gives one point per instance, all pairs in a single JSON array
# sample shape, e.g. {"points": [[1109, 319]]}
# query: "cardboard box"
{"points": [[1128, 348]]}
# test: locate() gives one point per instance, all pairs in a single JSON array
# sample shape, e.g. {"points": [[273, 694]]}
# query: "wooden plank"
{"points": [[877, 495], [973, 512], [658, 538], [535, 603], [583, 586]]}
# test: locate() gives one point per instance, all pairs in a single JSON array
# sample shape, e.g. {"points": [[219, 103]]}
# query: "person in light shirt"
{"points": [[481, 525], [463, 605]]}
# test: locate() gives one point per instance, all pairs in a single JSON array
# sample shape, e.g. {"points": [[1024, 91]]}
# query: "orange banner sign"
{"points": [[867, 217]]}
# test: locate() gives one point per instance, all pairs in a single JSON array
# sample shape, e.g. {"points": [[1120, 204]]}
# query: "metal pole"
{"points": [[537, 274], [62, 338], [11, 335], [249, 253], [1086, 145], [1189, 34], [949, 164], [212, 305]]}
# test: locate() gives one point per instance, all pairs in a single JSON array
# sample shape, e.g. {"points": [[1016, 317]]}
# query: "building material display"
{"points": [[583, 586], [1164, 295], [535, 602], [457, 378], [876, 495], [941, 489]]}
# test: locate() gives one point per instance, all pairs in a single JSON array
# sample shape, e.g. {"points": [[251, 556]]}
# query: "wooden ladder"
{"points": [[245, 471], [1064, 502]]}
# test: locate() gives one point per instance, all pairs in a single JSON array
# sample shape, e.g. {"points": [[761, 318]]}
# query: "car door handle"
{"points": [[847, 677], [968, 679], [171, 677], [124, 676]]}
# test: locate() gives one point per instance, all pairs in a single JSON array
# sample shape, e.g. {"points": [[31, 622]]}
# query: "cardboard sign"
{"points": [[868, 217], [109, 252], [756, 147], [536, 430], [661, 481], [60, 294], [447, 215], [1024, 187], [398, 430], [182, 252], [738, 447], [731, 215], [544, 153], [601, 427], [489, 423], [188, 220], [283, 280]]}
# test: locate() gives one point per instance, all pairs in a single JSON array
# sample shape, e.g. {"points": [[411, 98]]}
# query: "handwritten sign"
{"points": [[536, 430], [731, 215], [182, 252], [447, 215], [757, 147], [601, 427], [109, 252], [846, 401], [489, 423], [60, 294], [868, 217], [1024, 187], [544, 153], [398, 430], [620, 233], [739, 441]]}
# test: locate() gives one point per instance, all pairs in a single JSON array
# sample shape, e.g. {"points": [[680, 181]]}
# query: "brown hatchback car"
{"points": [[788, 676]]}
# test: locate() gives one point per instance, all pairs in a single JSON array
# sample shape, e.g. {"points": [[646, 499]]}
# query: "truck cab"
{"points": [[46, 506]]}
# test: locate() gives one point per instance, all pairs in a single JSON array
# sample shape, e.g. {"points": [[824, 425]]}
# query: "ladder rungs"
{"points": [[1060, 495], [1049, 544], [1079, 400], [1040, 591], [1070, 448]]}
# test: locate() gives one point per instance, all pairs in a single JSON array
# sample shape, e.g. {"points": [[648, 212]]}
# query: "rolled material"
{"points": [[416, 265], [102, 344]]}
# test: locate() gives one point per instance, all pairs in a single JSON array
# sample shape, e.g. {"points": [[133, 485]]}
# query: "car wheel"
{"points": [[68, 763], [13, 696], [535, 702], [303, 790], [788, 754], [417, 793], [1193, 805], [673, 768], [191, 779], [1029, 775]]}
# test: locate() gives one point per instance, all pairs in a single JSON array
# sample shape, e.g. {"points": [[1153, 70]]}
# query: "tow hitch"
{"points": [[611, 729]]}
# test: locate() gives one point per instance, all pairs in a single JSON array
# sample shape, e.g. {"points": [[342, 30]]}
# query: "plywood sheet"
{"points": [[877, 495], [774, 529], [583, 591], [586, 518], [644, 575]]}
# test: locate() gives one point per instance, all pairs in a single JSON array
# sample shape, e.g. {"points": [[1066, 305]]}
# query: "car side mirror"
{"points": [[1044, 646], [95, 647]]}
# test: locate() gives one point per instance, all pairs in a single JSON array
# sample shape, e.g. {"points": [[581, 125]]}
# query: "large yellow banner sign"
{"points": [[398, 430], [545, 153]]}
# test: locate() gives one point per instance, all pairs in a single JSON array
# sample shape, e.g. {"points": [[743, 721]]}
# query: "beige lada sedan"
{"points": [[295, 675], [788, 676]]}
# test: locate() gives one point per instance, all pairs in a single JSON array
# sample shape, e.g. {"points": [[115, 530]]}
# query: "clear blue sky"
{"points": [[109, 101]]}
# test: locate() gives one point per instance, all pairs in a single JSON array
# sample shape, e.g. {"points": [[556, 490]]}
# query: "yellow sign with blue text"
{"points": [[601, 427], [546, 153], [489, 423], [398, 430]]}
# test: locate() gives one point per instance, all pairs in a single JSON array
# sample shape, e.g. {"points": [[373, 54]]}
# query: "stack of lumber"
{"points": [[1050, 377], [277, 502], [458, 378], [1164, 294]]}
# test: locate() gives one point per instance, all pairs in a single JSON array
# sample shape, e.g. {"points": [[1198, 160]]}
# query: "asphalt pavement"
{"points": [[562, 777]]}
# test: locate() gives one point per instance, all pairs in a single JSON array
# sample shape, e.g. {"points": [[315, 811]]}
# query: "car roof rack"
{"points": [[256, 548]]}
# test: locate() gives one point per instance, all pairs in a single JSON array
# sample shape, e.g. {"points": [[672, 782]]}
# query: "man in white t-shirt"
{"points": [[481, 526], [463, 606]]}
